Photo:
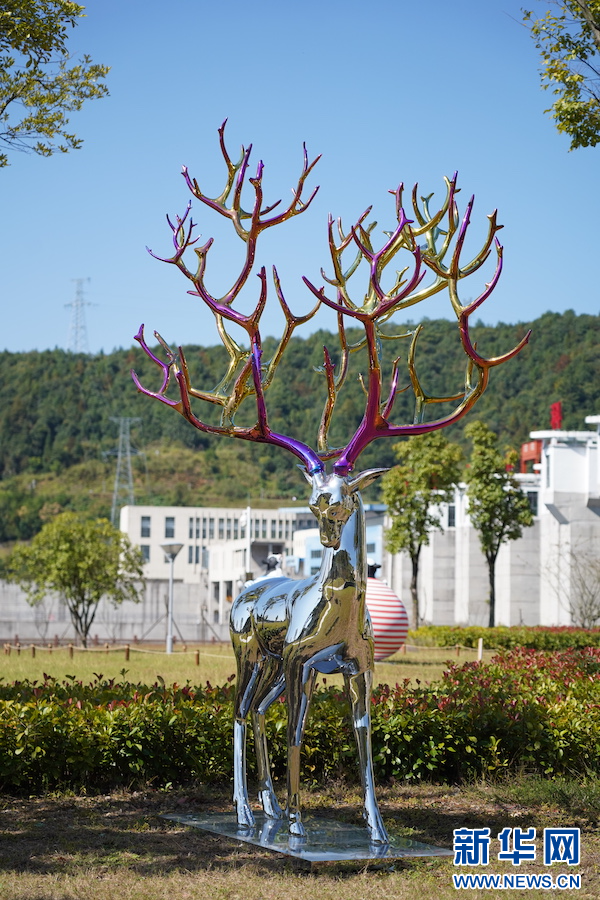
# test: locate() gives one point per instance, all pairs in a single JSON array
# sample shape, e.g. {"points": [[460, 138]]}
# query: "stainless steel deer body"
{"points": [[286, 631]]}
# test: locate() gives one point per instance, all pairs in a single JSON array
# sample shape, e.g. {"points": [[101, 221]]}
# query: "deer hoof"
{"points": [[297, 830], [245, 816], [270, 805], [378, 834]]}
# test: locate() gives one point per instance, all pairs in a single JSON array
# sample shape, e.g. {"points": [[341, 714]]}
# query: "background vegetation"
{"points": [[526, 710], [57, 435]]}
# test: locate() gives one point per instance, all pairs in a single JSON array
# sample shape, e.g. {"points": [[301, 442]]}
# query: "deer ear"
{"points": [[306, 474], [364, 479]]}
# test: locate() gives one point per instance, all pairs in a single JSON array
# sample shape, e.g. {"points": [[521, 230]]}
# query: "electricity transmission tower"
{"points": [[123, 489], [78, 342]]}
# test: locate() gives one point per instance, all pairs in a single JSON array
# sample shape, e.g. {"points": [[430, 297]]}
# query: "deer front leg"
{"points": [[359, 692], [247, 679], [271, 686], [244, 814], [300, 681]]}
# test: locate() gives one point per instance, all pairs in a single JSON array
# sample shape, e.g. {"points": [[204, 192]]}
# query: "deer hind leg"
{"points": [[359, 693], [248, 675], [300, 682], [271, 685]]}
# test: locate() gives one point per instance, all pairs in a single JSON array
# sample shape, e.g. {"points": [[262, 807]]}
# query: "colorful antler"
{"points": [[378, 306], [246, 374], [442, 237]]}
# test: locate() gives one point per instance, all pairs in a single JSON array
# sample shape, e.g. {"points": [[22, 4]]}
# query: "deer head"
{"points": [[333, 500], [432, 243]]}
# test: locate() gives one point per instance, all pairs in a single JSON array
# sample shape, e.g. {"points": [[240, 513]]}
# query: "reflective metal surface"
{"points": [[284, 632], [326, 840]]}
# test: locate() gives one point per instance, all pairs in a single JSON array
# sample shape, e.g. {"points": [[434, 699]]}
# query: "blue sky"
{"points": [[388, 91]]}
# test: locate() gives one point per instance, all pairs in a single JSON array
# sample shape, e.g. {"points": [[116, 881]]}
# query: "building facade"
{"points": [[550, 576]]}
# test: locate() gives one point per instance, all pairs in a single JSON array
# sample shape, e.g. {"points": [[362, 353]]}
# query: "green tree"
{"points": [[429, 466], [82, 560], [39, 86], [498, 508], [569, 44]]}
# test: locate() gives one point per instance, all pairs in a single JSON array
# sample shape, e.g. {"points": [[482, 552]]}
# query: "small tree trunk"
{"points": [[416, 619], [492, 580]]}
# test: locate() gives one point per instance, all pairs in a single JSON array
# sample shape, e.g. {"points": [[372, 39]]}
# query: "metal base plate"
{"points": [[326, 840]]}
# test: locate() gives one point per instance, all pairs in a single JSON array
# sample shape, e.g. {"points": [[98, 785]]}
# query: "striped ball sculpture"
{"points": [[389, 618]]}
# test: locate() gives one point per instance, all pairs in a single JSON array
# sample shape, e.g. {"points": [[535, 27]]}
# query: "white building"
{"points": [[540, 578], [543, 578]]}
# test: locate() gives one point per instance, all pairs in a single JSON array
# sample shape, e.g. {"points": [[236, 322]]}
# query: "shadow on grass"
{"points": [[125, 831]]}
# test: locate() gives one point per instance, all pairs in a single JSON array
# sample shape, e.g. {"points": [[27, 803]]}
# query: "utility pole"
{"points": [[78, 342], [123, 489]]}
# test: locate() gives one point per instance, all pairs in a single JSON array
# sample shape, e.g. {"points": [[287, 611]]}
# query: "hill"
{"points": [[57, 410]]}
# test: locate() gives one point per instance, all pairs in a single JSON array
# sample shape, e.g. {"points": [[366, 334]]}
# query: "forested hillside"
{"points": [[56, 413]]}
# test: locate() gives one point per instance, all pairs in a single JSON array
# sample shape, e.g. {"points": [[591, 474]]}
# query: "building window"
{"points": [[316, 554], [145, 527], [203, 529], [197, 527], [451, 516], [145, 552], [314, 570], [273, 528], [370, 548], [194, 554], [221, 529], [532, 496], [264, 528], [211, 528], [280, 529], [228, 529], [236, 526], [169, 526], [191, 529]]}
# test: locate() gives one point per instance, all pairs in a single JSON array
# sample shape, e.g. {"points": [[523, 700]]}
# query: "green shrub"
{"points": [[503, 638], [530, 710]]}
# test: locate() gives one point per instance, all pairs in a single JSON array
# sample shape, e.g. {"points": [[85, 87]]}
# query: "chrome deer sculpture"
{"points": [[285, 631]]}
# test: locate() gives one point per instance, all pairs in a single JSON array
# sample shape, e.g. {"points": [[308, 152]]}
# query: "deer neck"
{"points": [[343, 570]]}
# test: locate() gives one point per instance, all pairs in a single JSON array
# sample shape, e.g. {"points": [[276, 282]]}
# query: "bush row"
{"points": [[502, 637], [526, 710]]}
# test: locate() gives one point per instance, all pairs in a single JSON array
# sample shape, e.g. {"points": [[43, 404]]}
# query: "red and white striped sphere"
{"points": [[389, 617]]}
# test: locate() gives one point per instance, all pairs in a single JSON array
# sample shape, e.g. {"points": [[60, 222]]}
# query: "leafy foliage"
{"points": [[55, 417], [502, 636], [83, 560], [526, 710], [38, 85], [569, 44], [498, 508], [429, 467]]}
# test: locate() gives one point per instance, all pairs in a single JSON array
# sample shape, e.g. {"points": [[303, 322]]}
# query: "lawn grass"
{"points": [[117, 846], [216, 664]]}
